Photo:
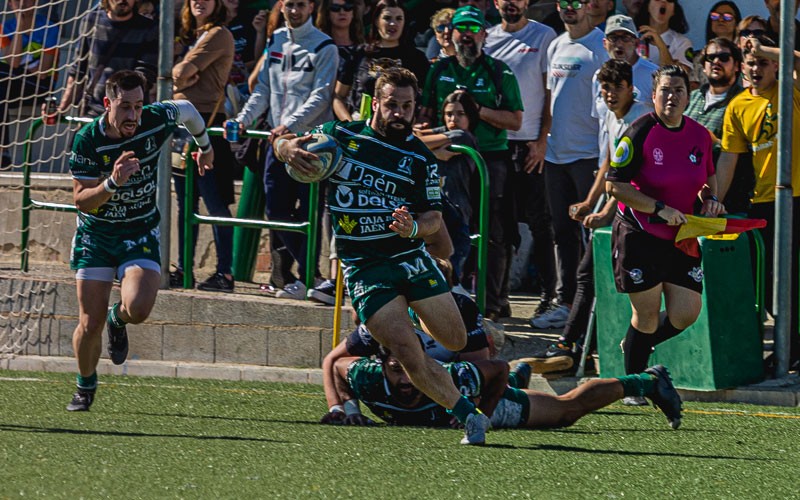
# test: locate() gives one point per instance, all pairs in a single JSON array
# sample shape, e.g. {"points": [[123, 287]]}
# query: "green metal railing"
{"points": [[481, 240], [309, 228], [29, 204]]}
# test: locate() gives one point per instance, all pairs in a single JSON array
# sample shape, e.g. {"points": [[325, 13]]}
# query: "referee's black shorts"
{"points": [[642, 261]]}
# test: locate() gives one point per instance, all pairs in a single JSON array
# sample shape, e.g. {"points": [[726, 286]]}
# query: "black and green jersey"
{"points": [[93, 156], [365, 377], [375, 177], [490, 81]]}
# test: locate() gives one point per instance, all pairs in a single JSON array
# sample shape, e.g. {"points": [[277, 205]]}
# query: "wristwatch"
{"points": [[659, 207]]}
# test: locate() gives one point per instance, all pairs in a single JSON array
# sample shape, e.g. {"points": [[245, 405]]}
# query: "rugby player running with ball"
{"points": [[384, 199]]}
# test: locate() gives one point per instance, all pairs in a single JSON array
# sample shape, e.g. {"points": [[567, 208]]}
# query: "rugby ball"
{"points": [[330, 156]]}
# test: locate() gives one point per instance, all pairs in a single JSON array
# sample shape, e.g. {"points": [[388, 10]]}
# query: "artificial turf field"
{"points": [[177, 438]]}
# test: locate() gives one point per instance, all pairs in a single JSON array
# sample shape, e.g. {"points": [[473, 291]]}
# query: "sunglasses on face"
{"points": [[463, 28], [440, 28], [339, 7], [716, 16], [575, 4], [722, 56], [756, 33]]}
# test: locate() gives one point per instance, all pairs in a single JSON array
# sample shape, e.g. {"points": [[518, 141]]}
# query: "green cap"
{"points": [[469, 15]]}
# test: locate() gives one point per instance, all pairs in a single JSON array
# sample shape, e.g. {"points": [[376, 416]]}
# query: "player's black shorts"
{"points": [[642, 261]]}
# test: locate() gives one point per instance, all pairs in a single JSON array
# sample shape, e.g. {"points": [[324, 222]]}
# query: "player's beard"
{"points": [[406, 398], [385, 126]]}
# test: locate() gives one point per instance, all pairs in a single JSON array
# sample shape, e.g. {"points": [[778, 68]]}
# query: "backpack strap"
{"points": [[495, 70]]}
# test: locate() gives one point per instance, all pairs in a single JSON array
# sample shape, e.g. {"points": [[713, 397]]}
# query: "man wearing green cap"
{"points": [[496, 91]]}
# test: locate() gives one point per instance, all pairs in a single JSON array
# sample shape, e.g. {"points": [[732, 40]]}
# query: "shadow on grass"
{"points": [[224, 417], [59, 430], [575, 449]]}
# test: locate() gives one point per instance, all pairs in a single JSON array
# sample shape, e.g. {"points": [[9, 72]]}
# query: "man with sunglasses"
{"points": [[572, 146], [495, 89], [750, 127], [522, 44], [722, 62]]}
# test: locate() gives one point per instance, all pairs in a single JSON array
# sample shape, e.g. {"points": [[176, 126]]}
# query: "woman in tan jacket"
{"points": [[204, 63]]}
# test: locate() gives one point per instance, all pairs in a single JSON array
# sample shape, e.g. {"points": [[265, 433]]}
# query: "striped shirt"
{"points": [[377, 176], [134, 43], [93, 156]]}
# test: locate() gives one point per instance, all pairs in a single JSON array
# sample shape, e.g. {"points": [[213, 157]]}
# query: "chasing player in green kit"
{"points": [[114, 166], [384, 199]]}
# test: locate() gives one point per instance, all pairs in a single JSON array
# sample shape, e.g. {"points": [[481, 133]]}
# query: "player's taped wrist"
{"points": [[351, 407], [334, 408], [110, 186], [414, 230]]}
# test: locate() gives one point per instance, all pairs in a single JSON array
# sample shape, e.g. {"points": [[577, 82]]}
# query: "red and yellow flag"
{"points": [[696, 226]]}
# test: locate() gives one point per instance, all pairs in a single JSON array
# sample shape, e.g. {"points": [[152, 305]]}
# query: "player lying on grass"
{"points": [[386, 389]]}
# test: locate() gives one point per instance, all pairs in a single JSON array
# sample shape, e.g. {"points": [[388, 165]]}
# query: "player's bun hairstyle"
{"points": [[124, 80], [670, 70], [615, 71], [467, 102], [396, 77]]}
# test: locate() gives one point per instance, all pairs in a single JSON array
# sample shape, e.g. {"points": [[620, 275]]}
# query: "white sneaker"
{"points": [[553, 318], [324, 293], [475, 429], [635, 401], [296, 291]]}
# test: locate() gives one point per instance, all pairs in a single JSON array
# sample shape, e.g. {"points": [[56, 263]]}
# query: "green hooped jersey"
{"points": [[93, 156], [375, 177]]}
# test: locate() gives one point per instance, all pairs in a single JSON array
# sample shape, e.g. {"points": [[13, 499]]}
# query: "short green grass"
{"points": [[168, 438]]}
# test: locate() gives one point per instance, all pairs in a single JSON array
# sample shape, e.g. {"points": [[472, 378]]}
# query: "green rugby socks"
{"points": [[641, 384], [113, 316], [462, 409], [86, 383]]}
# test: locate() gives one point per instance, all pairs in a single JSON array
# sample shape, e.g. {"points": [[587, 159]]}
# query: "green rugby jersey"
{"points": [[490, 81], [375, 177], [93, 156]]}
